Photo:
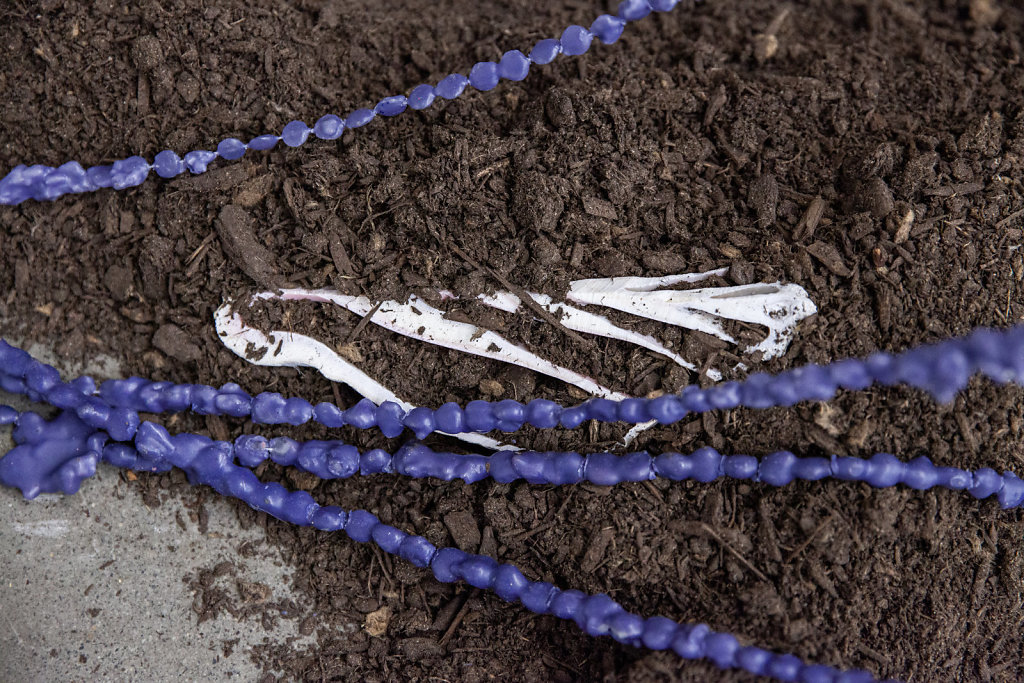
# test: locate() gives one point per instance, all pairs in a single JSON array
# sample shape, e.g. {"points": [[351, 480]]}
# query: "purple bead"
{"points": [[740, 466], [360, 525], [721, 649], [359, 118], [263, 143], [233, 404], [392, 106], [543, 414], [812, 469], [389, 419], [231, 149], [388, 538], [445, 564], [986, 482], [329, 127], [421, 97], [1012, 493], [514, 66], [785, 668], [510, 415], [199, 160], [480, 417], [634, 411], [667, 409], [484, 76], [674, 466], [777, 468], [450, 419], [607, 28], [329, 518], [567, 604], [818, 673], [754, 660], [329, 415], [343, 461], [603, 409], [420, 421], [573, 417], [627, 628], [631, 10], [689, 641], [362, 415], [417, 550], [129, 172], [479, 571], [283, 451], [501, 467], [295, 133], [8, 415], [545, 51], [601, 469], [251, 450], [707, 465], [451, 86], [659, 632], [663, 5], [885, 470], [538, 595], [509, 583], [376, 461], [576, 40], [167, 164]]}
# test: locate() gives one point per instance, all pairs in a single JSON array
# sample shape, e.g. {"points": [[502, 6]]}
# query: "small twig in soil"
{"points": [[459, 616], [746, 563], [363, 323], [803, 546]]}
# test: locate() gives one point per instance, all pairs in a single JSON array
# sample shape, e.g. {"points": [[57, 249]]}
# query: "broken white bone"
{"points": [[290, 349], [419, 320], [775, 306], [578, 320]]}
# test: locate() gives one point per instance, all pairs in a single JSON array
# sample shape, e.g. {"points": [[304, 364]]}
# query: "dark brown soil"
{"points": [[689, 145]]}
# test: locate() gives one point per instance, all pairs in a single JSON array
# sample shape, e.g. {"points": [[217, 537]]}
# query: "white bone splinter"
{"points": [[419, 320], [289, 350], [775, 306], [578, 320]]}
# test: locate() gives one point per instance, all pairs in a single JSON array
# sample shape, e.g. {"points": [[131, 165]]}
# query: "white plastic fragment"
{"points": [[775, 306], [290, 349]]}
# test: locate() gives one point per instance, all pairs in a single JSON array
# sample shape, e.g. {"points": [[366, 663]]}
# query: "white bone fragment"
{"points": [[419, 320], [775, 306], [290, 349], [578, 320]]}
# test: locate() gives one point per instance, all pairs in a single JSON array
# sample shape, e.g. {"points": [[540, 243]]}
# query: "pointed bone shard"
{"points": [[419, 320], [775, 306], [291, 350], [578, 320]]}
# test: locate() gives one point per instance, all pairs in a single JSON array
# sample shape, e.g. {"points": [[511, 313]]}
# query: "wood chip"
{"points": [[830, 258]]}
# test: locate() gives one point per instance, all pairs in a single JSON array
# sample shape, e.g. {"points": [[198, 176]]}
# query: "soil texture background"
{"points": [[871, 151]]}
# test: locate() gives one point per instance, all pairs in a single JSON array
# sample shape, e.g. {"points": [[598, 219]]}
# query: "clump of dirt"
{"points": [[871, 152]]}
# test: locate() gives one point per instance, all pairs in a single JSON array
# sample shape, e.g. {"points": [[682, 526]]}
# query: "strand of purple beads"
{"points": [[942, 369], [46, 182], [70, 441], [104, 424]]}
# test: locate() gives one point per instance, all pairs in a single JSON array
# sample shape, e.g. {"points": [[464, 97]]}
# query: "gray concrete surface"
{"points": [[91, 585]]}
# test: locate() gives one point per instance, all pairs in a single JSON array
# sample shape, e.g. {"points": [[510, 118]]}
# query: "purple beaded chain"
{"points": [[59, 455], [46, 182], [72, 449]]}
